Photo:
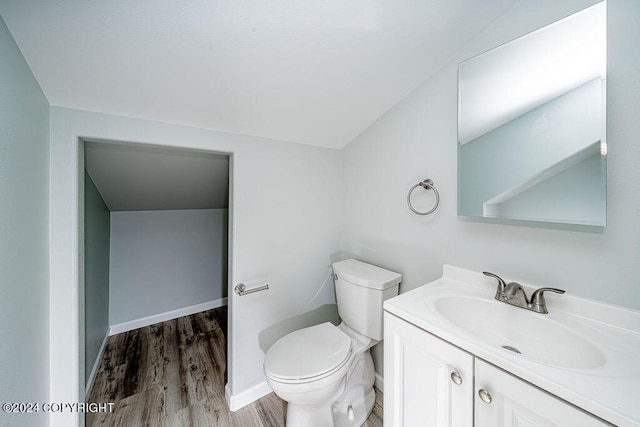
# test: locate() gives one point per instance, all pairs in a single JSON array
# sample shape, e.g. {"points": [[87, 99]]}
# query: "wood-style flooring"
{"points": [[173, 374]]}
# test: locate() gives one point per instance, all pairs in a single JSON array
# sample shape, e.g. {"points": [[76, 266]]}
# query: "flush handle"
{"points": [[485, 396]]}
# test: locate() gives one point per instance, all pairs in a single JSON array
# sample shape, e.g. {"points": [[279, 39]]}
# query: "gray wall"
{"points": [[24, 227], [96, 273], [417, 139], [166, 260]]}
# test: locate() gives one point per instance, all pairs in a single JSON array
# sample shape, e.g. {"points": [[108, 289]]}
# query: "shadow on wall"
{"points": [[324, 313]]}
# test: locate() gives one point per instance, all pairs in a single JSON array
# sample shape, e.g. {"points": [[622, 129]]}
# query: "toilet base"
{"points": [[356, 414], [309, 416], [356, 403], [313, 410]]}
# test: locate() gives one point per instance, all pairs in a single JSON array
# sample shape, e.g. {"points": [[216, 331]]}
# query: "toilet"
{"points": [[325, 372]]}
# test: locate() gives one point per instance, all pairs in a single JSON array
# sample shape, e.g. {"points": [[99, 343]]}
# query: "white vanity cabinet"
{"points": [[430, 382], [574, 366], [502, 399], [421, 373]]}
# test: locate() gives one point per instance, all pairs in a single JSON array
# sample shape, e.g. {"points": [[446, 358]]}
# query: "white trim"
{"points": [[68, 129], [163, 317], [241, 400], [379, 382], [96, 364]]}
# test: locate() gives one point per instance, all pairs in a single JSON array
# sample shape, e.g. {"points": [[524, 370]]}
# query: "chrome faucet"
{"points": [[513, 293]]}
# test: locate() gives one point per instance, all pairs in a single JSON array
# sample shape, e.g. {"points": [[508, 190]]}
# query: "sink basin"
{"points": [[530, 335]]}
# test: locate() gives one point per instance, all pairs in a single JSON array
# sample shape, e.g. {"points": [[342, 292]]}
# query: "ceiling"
{"points": [[310, 72], [137, 178]]}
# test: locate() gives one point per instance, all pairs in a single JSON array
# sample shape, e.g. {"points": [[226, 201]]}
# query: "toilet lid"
{"points": [[308, 352]]}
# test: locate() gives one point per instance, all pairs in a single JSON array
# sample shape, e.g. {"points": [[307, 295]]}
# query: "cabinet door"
{"points": [[418, 386], [516, 403]]}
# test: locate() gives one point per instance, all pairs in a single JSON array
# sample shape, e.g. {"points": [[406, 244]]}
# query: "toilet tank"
{"points": [[361, 289]]}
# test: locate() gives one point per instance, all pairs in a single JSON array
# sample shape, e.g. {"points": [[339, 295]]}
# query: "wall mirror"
{"points": [[531, 125]]}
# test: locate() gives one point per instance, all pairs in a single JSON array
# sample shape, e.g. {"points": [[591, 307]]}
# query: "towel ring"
{"points": [[427, 184]]}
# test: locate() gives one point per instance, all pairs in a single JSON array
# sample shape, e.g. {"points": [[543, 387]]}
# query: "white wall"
{"points": [[417, 139], [165, 260], [24, 236], [284, 224]]}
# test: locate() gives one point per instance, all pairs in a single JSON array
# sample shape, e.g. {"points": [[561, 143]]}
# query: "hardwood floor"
{"points": [[172, 374]]}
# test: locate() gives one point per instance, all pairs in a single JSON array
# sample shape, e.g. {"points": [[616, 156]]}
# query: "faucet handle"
{"points": [[501, 284], [538, 303]]}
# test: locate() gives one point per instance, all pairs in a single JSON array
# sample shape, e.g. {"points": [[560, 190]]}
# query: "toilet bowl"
{"points": [[325, 372], [313, 368]]}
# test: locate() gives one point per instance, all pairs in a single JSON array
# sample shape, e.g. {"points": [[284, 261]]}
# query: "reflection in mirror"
{"points": [[531, 125]]}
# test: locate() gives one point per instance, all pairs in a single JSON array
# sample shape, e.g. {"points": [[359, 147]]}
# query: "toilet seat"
{"points": [[308, 354]]}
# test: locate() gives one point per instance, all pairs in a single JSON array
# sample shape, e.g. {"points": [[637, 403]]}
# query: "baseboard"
{"points": [[163, 317], [96, 365], [241, 400], [379, 382]]}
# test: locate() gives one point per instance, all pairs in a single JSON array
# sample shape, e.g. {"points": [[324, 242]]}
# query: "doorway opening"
{"points": [[155, 239]]}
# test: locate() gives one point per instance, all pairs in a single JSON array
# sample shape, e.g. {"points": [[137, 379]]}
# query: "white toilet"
{"points": [[325, 372]]}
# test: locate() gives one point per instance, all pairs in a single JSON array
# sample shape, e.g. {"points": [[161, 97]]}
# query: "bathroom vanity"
{"points": [[455, 356]]}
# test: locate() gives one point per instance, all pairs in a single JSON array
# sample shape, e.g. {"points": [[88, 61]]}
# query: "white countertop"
{"points": [[610, 391]]}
